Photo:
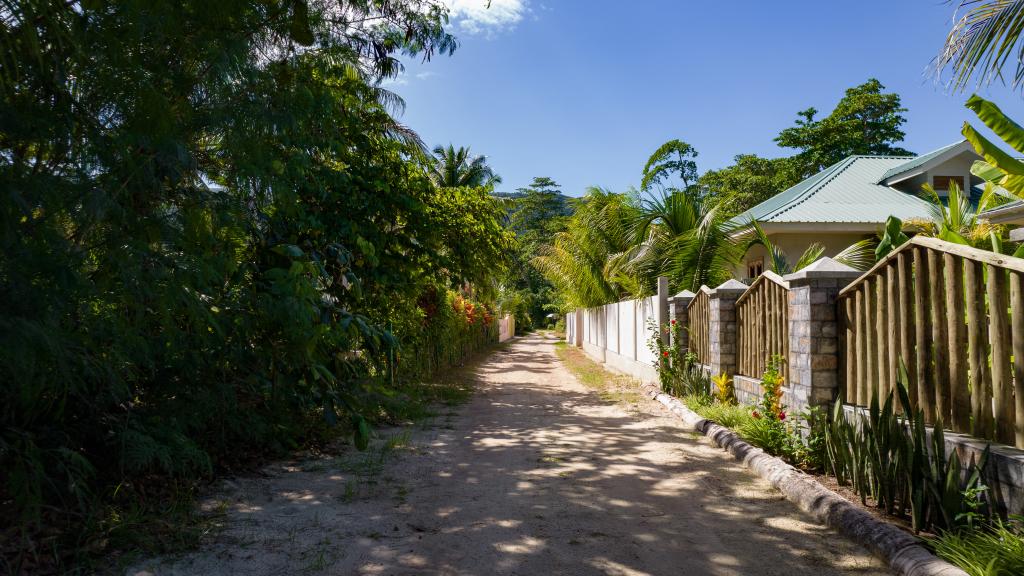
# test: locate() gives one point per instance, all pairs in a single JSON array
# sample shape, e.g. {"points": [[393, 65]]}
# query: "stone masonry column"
{"points": [[814, 332], [722, 329], [678, 310]]}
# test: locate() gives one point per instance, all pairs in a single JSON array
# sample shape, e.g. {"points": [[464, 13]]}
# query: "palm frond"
{"points": [[981, 42]]}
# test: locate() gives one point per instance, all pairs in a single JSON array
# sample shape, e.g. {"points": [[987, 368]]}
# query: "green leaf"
{"points": [[992, 153], [993, 117], [987, 172]]}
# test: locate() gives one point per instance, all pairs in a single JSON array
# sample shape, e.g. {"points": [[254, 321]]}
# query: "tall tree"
{"points": [[866, 120], [453, 167], [576, 262], [749, 181], [673, 158], [537, 214]]}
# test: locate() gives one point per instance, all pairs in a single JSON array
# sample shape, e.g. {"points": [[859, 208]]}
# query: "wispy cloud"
{"points": [[425, 74], [476, 17]]}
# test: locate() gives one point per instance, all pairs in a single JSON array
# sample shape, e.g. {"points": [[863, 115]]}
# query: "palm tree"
{"points": [[955, 220], [859, 255], [576, 262], [982, 40], [455, 167], [682, 236]]}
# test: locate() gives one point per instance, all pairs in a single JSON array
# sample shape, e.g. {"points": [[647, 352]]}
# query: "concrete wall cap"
{"points": [[824, 268], [683, 295], [730, 287]]}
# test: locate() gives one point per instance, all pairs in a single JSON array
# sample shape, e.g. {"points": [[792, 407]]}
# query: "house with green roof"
{"points": [[852, 199]]}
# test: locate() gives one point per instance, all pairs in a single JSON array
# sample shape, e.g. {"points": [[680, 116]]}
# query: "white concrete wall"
{"points": [[506, 328], [616, 335]]}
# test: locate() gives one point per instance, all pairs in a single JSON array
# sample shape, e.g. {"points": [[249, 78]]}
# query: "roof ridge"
{"points": [[836, 170]]}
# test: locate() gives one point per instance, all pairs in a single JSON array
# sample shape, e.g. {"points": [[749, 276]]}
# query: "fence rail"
{"points": [[921, 304], [762, 315], [699, 319]]}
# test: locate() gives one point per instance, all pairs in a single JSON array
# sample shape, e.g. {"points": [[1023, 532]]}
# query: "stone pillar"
{"points": [[814, 354], [678, 311], [722, 329], [578, 333]]}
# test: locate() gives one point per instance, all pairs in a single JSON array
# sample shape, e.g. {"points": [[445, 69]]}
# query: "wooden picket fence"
{"points": [[762, 316], [699, 330], [921, 304]]}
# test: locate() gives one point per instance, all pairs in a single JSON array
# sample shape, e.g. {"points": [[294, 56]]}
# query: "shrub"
{"points": [[889, 458]]}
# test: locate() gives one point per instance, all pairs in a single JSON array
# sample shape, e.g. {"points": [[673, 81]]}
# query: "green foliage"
{"points": [[455, 168], [859, 255], [865, 121], [892, 237], [679, 235], [889, 458], [998, 167], [211, 219], [679, 374], [672, 157], [982, 40], [576, 263], [729, 415], [993, 549], [538, 213], [749, 181]]}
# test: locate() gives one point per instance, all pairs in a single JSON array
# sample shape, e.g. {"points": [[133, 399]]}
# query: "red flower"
{"points": [[665, 353], [673, 322], [756, 415], [782, 415]]}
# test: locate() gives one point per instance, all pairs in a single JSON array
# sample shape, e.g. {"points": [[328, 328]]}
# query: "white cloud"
{"points": [[475, 16], [426, 74]]}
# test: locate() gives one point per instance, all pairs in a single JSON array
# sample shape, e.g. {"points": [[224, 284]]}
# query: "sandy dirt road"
{"points": [[537, 474]]}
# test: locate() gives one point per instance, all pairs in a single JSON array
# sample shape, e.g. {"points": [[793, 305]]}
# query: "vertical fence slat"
{"points": [[882, 336], [907, 354], [998, 335], [977, 353], [1017, 336], [939, 355], [870, 337], [891, 285], [925, 397], [850, 360], [862, 362], [956, 332]]}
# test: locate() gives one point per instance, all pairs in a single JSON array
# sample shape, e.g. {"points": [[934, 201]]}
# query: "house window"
{"points": [[755, 268], [942, 182]]}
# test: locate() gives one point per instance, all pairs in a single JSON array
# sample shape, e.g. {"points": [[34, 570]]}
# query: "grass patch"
{"points": [[993, 550], [730, 416], [611, 388]]}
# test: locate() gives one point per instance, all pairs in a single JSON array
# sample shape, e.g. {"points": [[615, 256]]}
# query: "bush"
{"points": [[888, 457]]}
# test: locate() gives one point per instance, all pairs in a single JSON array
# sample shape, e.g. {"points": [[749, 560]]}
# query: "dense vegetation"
{"points": [[216, 242]]}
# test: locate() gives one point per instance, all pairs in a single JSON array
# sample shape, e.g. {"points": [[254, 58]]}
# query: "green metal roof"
{"points": [[846, 192], [918, 161]]}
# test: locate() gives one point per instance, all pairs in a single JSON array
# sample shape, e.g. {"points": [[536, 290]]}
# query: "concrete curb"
{"points": [[903, 552]]}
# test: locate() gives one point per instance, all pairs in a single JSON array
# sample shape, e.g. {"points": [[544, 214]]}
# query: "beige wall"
{"points": [[794, 244]]}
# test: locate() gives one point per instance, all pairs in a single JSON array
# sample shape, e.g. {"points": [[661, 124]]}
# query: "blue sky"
{"points": [[584, 91]]}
